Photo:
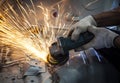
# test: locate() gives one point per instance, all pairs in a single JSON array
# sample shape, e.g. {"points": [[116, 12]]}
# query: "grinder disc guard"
{"points": [[57, 55]]}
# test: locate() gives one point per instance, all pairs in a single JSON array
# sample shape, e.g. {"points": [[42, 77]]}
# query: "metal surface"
{"points": [[11, 74], [23, 70]]}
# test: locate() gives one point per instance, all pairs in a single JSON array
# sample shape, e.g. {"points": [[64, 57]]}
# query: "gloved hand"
{"points": [[103, 38], [81, 26]]}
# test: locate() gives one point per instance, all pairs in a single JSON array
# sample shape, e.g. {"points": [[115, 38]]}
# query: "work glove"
{"points": [[81, 26], [103, 38]]}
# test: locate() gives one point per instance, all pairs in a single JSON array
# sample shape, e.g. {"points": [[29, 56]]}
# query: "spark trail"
{"points": [[17, 29]]}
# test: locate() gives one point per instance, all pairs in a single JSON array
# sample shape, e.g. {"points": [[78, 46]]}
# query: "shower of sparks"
{"points": [[31, 36]]}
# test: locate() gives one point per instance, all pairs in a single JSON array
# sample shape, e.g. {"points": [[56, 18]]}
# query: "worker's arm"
{"points": [[108, 18]]}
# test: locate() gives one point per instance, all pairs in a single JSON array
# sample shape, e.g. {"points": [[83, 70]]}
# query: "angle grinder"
{"points": [[59, 51]]}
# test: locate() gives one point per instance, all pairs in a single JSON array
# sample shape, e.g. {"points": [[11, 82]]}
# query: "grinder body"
{"points": [[59, 51]]}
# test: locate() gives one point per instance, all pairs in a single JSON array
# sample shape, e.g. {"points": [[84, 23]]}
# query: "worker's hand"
{"points": [[81, 26], [103, 38]]}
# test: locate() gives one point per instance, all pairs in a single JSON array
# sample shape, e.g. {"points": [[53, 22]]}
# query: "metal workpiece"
{"points": [[35, 72], [11, 74], [24, 71]]}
